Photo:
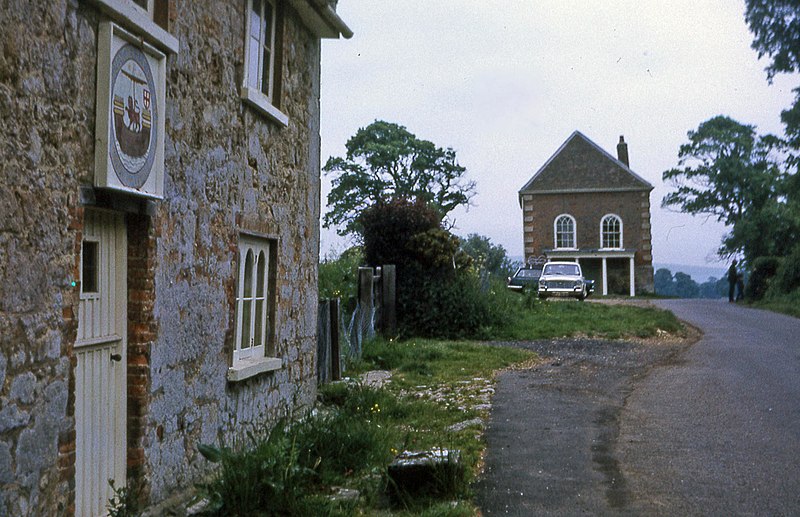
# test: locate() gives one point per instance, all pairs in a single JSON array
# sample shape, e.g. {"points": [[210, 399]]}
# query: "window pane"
{"points": [[269, 14], [564, 233], [253, 79], [248, 275], [89, 266], [262, 264], [247, 308], [265, 73], [612, 232], [258, 338], [267, 44], [255, 20]]}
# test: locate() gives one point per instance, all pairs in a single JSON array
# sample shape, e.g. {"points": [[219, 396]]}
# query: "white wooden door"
{"points": [[100, 373]]}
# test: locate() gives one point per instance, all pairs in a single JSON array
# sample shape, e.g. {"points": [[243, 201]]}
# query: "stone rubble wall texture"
{"points": [[228, 169]]}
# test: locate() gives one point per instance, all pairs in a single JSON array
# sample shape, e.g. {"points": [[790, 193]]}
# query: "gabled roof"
{"points": [[580, 165]]}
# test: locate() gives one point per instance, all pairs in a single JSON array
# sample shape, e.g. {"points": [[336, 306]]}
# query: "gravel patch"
{"points": [[553, 427]]}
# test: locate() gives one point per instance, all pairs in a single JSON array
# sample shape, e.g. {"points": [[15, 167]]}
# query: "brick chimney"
{"points": [[622, 151]]}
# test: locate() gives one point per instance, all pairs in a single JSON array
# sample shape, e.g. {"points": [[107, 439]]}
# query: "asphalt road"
{"points": [[614, 428]]}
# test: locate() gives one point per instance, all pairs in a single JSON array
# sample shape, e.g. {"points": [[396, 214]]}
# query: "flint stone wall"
{"points": [[228, 170]]}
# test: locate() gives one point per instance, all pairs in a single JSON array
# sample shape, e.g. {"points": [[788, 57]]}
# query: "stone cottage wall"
{"points": [[228, 170], [47, 60]]}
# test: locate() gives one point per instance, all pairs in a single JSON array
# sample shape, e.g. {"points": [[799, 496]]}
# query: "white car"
{"points": [[563, 279]]}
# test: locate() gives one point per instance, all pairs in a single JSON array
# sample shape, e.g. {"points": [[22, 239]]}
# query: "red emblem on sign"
{"points": [[146, 99]]}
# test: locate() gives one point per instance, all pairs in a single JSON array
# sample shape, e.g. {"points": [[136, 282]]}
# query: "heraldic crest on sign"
{"points": [[130, 115], [133, 131]]}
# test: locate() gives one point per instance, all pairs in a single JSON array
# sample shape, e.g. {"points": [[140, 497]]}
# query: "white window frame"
{"points": [[149, 8], [603, 232], [556, 232], [133, 17], [90, 295], [253, 94], [254, 304]]}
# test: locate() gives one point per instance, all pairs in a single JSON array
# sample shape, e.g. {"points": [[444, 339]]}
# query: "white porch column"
{"points": [[633, 280], [605, 277]]}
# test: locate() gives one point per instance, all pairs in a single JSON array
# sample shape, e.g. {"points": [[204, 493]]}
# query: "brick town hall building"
{"points": [[585, 205]]}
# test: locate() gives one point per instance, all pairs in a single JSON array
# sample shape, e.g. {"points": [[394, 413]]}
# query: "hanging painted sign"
{"points": [[130, 114]]}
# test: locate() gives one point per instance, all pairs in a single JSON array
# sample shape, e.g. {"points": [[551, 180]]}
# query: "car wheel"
{"points": [[542, 297]]}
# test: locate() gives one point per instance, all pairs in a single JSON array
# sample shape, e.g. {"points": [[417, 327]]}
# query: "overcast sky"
{"points": [[505, 82]]}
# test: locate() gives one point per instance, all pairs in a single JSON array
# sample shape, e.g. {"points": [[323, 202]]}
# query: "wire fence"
{"points": [[341, 339]]}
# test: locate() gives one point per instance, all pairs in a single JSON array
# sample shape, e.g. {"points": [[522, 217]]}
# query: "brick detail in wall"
{"points": [[142, 332], [66, 439]]}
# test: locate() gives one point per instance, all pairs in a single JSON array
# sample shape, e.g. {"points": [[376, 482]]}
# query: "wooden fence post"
{"points": [[366, 300], [323, 341], [388, 304], [336, 367]]}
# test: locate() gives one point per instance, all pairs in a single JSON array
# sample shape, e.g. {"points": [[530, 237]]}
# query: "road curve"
{"points": [[718, 434], [625, 428]]}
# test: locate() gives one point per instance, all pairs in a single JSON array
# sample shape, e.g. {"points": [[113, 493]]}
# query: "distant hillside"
{"points": [[699, 274]]}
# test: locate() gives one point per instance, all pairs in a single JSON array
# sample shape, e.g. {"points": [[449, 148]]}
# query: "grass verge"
{"points": [[527, 318], [438, 398], [785, 304]]}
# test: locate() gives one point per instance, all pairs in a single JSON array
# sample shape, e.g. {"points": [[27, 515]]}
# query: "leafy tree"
{"points": [[663, 283], [389, 227], [787, 275], [728, 172], [338, 276], [714, 288], [685, 287], [776, 28], [769, 231], [775, 25], [385, 161], [763, 271], [487, 256], [437, 296]]}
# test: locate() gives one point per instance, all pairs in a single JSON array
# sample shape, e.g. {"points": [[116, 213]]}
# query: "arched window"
{"points": [[564, 229], [611, 232], [252, 304]]}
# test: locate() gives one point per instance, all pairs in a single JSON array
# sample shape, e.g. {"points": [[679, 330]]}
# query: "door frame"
{"points": [[109, 306]]}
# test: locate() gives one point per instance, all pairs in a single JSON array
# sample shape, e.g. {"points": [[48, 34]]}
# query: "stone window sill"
{"points": [[246, 368], [260, 103]]}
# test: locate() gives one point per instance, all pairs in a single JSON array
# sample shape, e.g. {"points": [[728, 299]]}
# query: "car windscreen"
{"points": [[561, 269], [529, 273]]}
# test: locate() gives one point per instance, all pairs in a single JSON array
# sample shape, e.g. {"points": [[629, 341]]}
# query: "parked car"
{"points": [[564, 279], [525, 279]]}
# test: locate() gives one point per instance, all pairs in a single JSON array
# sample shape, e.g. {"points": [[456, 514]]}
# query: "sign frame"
{"points": [[129, 137]]}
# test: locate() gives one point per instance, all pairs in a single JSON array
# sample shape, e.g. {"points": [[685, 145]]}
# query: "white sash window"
{"points": [[262, 60]]}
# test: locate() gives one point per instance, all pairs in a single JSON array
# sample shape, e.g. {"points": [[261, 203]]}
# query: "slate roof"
{"points": [[581, 165]]}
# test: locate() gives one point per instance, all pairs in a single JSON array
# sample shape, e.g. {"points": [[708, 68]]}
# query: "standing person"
{"points": [[732, 277]]}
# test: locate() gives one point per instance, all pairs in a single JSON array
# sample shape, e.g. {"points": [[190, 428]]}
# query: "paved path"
{"points": [[719, 434], [609, 428]]}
